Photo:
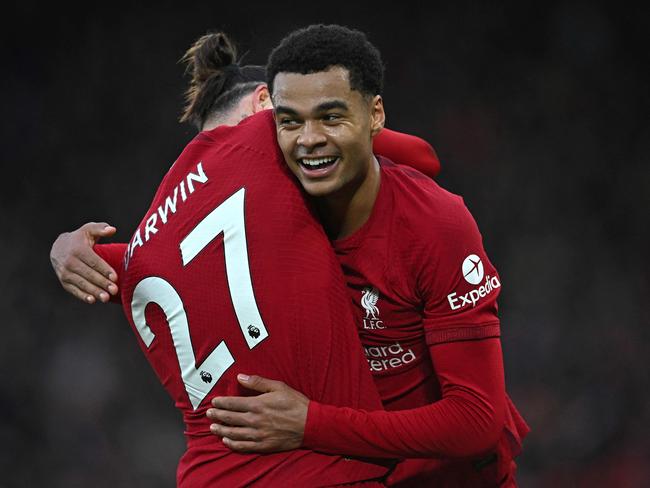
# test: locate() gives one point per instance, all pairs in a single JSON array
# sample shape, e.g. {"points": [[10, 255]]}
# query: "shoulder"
{"points": [[422, 204], [251, 144], [255, 133], [432, 229]]}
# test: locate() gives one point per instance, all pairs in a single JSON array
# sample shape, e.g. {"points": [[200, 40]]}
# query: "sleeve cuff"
{"points": [[462, 333], [312, 425]]}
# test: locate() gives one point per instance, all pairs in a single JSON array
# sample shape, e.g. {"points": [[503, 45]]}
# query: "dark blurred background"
{"points": [[540, 116]]}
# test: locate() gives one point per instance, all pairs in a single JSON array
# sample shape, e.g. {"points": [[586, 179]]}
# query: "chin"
{"points": [[317, 189]]}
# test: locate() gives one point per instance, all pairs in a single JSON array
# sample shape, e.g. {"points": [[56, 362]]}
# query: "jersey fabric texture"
{"points": [[229, 272], [407, 149], [424, 293]]}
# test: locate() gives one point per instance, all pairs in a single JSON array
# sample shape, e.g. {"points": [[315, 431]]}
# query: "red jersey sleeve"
{"points": [[467, 421], [407, 150], [458, 284], [113, 254]]}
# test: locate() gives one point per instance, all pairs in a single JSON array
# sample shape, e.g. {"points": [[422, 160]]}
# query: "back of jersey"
{"points": [[229, 272]]}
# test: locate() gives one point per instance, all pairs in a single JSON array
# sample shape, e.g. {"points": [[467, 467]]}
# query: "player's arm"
{"points": [[467, 421], [408, 150], [113, 255], [80, 270]]}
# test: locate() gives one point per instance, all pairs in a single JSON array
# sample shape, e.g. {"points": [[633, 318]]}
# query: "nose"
{"points": [[311, 135]]}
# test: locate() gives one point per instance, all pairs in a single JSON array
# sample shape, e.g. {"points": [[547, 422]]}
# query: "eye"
{"points": [[286, 121], [331, 117]]}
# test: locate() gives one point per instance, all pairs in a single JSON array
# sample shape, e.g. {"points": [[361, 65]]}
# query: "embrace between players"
{"points": [[235, 281]]}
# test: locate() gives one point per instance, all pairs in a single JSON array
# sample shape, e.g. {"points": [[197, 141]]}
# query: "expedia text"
{"points": [[470, 298]]}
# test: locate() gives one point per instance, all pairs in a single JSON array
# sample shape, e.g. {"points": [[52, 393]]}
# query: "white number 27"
{"points": [[200, 379]]}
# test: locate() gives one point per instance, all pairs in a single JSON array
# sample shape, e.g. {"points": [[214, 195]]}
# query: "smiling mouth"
{"points": [[313, 164]]}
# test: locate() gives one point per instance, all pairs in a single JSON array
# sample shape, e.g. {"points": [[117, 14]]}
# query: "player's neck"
{"points": [[345, 212], [232, 117]]}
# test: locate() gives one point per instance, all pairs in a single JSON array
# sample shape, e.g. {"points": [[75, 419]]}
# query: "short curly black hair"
{"points": [[319, 47]]}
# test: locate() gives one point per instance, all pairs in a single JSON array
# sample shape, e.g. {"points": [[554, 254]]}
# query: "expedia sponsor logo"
{"points": [[384, 358], [472, 269], [369, 300]]}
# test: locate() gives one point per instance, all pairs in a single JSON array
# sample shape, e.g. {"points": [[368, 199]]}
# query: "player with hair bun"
{"points": [[219, 87], [218, 82], [231, 273]]}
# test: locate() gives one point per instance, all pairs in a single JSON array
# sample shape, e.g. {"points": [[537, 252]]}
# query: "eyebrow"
{"points": [[323, 107], [281, 109]]}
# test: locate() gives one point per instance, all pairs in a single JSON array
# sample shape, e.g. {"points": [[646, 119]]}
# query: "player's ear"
{"points": [[261, 98], [377, 115]]}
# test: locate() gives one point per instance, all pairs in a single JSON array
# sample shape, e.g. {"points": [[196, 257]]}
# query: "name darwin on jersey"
{"points": [[473, 296], [163, 213]]}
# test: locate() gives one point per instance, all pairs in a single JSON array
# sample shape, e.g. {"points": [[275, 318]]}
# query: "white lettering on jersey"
{"points": [[200, 177], [384, 358], [157, 290], [227, 218], [183, 194], [135, 242], [165, 212], [471, 297], [150, 226], [170, 205]]}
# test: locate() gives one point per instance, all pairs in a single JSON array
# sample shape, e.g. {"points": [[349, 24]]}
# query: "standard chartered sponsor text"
{"points": [[383, 358]]}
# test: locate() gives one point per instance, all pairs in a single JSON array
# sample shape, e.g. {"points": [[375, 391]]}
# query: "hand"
{"points": [[83, 273], [271, 422]]}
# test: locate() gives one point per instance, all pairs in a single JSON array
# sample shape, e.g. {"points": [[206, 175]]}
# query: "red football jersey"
{"points": [[229, 272], [419, 277]]}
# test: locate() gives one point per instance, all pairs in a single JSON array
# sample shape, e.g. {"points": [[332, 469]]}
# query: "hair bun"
{"points": [[209, 55], [208, 60]]}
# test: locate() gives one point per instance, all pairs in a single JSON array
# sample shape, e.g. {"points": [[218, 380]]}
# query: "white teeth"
{"points": [[317, 161]]}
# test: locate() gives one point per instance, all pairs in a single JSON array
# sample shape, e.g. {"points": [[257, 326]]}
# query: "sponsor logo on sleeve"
{"points": [[369, 299], [473, 269], [473, 272]]}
